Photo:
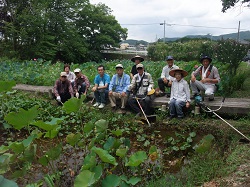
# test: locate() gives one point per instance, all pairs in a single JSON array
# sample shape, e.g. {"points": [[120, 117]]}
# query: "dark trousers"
{"points": [[64, 97], [145, 104], [101, 96], [162, 85], [82, 89]]}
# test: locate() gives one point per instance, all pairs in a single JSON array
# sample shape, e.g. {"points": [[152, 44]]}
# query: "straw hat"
{"points": [[183, 72], [137, 57]]}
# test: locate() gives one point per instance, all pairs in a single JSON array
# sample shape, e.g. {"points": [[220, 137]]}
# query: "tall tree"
{"points": [[226, 4]]}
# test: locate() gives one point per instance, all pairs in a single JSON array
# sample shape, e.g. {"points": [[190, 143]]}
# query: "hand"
{"points": [[149, 88], [110, 93], [77, 95], [205, 80], [58, 98], [94, 89], [123, 94], [165, 80], [193, 79]]}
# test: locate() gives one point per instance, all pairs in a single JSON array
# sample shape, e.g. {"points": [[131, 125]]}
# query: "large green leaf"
{"points": [[89, 162], [51, 154], [98, 172], [137, 158], [22, 118], [6, 85], [205, 144], [101, 125], [84, 179], [111, 181], [72, 139], [109, 143], [48, 125], [121, 152], [104, 155], [7, 183], [73, 104]]}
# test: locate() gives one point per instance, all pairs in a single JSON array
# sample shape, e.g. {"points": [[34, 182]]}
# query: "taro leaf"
{"points": [[29, 153], [84, 179], [73, 104], [48, 126], [4, 162], [53, 133], [111, 181], [192, 134], [117, 132], [89, 161], [134, 180], [22, 118], [104, 155], [127, 142], [152, 149], [189, 139], [17, 147], [6, 85], [72, 139], [98, 172], [51, 154], [137, 158], [28, 140], [124, 184], [88, 127], [121, 152], [101, 125], [109, 143], [3, 149], [175, 148], [7, 183], [205, 144]]}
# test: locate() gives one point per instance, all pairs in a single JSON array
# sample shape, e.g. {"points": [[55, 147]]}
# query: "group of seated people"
{"points": [[137, 89]]}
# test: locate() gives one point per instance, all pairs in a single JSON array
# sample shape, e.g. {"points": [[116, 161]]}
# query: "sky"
{"points": [[142, 18]]}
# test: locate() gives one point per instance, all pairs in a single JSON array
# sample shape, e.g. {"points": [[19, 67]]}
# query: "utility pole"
{"points": [[164, 24], [238, 36]]}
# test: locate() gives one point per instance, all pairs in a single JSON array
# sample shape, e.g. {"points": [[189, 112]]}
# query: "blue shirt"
{"points": [[101, 81], [119, 84]]}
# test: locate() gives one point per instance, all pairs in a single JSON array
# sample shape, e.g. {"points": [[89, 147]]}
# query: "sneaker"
{"points": [[96, 104], [101, 105]]}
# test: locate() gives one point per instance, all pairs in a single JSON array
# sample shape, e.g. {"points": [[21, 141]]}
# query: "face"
{"points": [[119, 71], [63, 78], [78, 74], [66, 69], [140, 71], [178, 76], [170, 63], [205, 63], [100, 71], [137, 61]]}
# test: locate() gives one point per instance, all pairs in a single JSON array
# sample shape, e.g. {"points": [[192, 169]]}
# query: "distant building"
{"points": [[124, 46]]}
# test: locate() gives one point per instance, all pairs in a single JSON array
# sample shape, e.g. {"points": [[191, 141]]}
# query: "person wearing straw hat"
{"points": [[209, 78], [137, 59], [81, 83], [100, 88], [118, 88], [62, 89], [142, 86], [180, 94], [165, 79]]}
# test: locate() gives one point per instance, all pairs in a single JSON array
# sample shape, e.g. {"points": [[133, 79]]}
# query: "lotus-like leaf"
{"points": [[111, 181], [104, 155], [84, 179], [137, 158], [6, 85], [73, 104]]}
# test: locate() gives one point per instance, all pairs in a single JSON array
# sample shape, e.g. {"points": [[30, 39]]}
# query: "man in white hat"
{"points": [[100, 88], [63, 89], [118, 88], [209, 78], [141, 84], [81, 83], [180, 93], [137, 59]]}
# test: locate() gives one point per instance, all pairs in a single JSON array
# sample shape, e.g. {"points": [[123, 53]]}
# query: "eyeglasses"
{"points": [[63, 76], [139, 68]]}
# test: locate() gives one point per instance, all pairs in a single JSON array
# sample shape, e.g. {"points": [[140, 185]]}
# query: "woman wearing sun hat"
{"points": [[180, 93]]}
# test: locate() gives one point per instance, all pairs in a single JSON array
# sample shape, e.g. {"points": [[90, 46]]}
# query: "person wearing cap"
{"points": [[180, 93], [118, 88], [81, 83], [63, 89], [141, 84], [165, 79], [137, 59], [209, 78], [70, 75], [100, 88]]}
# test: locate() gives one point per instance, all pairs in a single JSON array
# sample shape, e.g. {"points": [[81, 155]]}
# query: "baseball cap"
{"points": [[63, 74], [119, 66], [77, 70], [139, 66], [169, 58]]}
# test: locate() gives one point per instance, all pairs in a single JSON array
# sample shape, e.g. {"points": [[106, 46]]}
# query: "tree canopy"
{"points": [[226, 4], [68, 30]]}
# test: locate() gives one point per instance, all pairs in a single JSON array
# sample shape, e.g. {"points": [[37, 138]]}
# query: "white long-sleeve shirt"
{"points": [[165, 71], [180, 90]]}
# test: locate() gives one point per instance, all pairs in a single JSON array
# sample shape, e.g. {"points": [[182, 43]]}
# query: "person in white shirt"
{"points": [[164, 80], [70, 75], [180, 94]]}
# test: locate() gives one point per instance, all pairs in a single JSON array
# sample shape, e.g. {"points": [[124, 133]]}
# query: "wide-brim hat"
{"points": [[205, 57], [183, 72], [137, 57]]}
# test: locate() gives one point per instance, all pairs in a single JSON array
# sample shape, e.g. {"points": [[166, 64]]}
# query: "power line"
{"points": [[174, 24]]}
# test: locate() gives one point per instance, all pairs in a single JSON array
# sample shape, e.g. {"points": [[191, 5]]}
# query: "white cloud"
{"points": [[178, 12]]}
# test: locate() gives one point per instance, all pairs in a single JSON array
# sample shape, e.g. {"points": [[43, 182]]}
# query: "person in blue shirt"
{"points": [[100, 88], [118, 88]]}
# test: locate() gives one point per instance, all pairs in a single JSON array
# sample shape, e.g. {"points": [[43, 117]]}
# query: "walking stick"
{"points": [[142, 111]]}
